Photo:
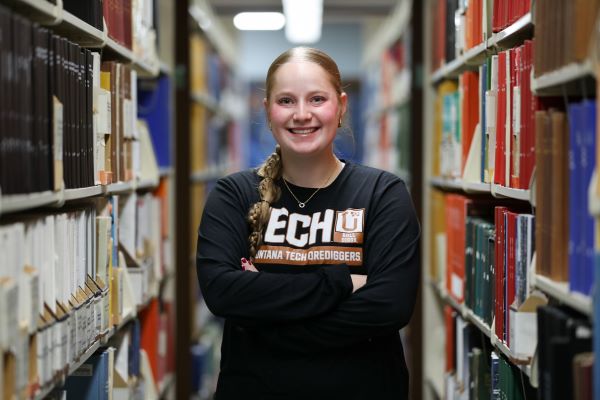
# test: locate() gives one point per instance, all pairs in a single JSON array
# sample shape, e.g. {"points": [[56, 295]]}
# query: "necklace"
{"points": [[302, 204]]}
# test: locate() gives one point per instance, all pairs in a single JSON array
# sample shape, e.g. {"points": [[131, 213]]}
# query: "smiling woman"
{"points": [[312, 260]]}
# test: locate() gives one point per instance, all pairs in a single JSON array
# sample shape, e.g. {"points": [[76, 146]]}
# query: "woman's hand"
{"points": [[358, 281], [248, 266]]}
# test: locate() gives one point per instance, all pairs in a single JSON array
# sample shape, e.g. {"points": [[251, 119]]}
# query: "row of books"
{"points": [[66, 116], [127, 367], [70, 276], [488, 257], [564, 360], [208, 72], [461, 25], [565, 149], [388, 119], [564, 30], [475, 371], [485, 125], [45, 112], [129, 23]]}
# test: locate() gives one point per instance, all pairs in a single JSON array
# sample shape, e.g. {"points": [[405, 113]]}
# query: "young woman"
{"points": [[284, 251]]}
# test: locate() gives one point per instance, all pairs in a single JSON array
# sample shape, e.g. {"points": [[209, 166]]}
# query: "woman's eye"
{"points": [[318, 99], [284, 101]]}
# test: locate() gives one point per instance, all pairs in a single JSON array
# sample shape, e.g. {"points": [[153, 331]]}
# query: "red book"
{"points": [[511, 246], [495, 16], [499, 267], [127, 24], [470, 111], [500, 167], [456, 213], [449, 319], [150, 328]]}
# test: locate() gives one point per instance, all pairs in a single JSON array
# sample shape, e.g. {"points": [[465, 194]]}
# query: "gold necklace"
{"points": [[302, 204]]}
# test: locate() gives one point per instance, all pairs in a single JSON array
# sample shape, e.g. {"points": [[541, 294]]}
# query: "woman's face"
{"points": [[304, 109]]}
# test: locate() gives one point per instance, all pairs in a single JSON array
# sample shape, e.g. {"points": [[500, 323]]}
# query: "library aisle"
{"points": [[118, 117]]}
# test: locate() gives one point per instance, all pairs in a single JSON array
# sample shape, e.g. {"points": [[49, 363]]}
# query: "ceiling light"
{"points": [[259, 21], [303, 20]]}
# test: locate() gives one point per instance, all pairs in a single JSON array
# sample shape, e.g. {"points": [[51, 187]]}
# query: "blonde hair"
{"points": [[272, 169]]}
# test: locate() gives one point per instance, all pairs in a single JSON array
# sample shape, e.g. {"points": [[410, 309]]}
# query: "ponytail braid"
{"points": [[259, 213]]}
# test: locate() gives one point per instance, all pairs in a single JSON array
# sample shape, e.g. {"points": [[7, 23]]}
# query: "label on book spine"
{"points": [[57, 143]]}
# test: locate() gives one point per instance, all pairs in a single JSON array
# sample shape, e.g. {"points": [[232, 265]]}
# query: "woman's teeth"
{"points": [[303, 131]]}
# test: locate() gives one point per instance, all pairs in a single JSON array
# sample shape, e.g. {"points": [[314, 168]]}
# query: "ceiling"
{"points": [[333, 10]]}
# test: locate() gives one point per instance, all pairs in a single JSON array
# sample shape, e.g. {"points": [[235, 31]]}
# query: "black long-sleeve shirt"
{"points": [[294, 330]]}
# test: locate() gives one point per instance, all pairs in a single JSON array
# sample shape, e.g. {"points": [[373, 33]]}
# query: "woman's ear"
{"points": [[343, 104]]}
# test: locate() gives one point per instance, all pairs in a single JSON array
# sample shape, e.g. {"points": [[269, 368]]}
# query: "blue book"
{"points": [[86, 382], [588, 162], [134, 349], [575, 194], [495, 376], [596, 339], [154, 106]]}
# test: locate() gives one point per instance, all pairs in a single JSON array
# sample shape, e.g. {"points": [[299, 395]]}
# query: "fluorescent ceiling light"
{"points": [[303, 20], [259, 21]]}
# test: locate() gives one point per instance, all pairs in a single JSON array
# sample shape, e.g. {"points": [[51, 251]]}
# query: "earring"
{"points": [[340, 123]]}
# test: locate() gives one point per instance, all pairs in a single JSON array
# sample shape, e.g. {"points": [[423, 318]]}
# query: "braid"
{"points": [[259, 213]]}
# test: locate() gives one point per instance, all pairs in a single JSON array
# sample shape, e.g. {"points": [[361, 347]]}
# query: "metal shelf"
{"points": [[80, 32], [517, 194], [21, 202], [40, 11], [471, 59], [83, 193], [119, 188], [561, 80], [447, 184], [477, 187], [560, 291], [521, 29]]}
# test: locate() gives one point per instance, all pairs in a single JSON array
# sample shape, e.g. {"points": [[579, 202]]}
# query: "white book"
{"points": [[127, 212], [49, 265], [150, 390], [148, 166], [82, 265], [110, 371], [61, 278], [121, 366], [102, 244]]}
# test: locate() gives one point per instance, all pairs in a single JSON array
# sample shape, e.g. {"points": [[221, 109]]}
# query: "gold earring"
{"points": [[340, 123]]}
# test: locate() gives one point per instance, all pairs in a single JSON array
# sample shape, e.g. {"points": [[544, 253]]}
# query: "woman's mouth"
{"points": [[302, 131]]}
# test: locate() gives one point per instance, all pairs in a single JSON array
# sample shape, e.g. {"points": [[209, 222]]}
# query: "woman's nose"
{"points": [[302, 113]]}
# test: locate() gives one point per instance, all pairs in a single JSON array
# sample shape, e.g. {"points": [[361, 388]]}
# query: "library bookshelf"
{"points": [[489, 182], [87, 276]]}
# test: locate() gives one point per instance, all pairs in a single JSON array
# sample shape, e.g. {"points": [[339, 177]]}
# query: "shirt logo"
{"points": [[349, 226], [293, 238]]}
